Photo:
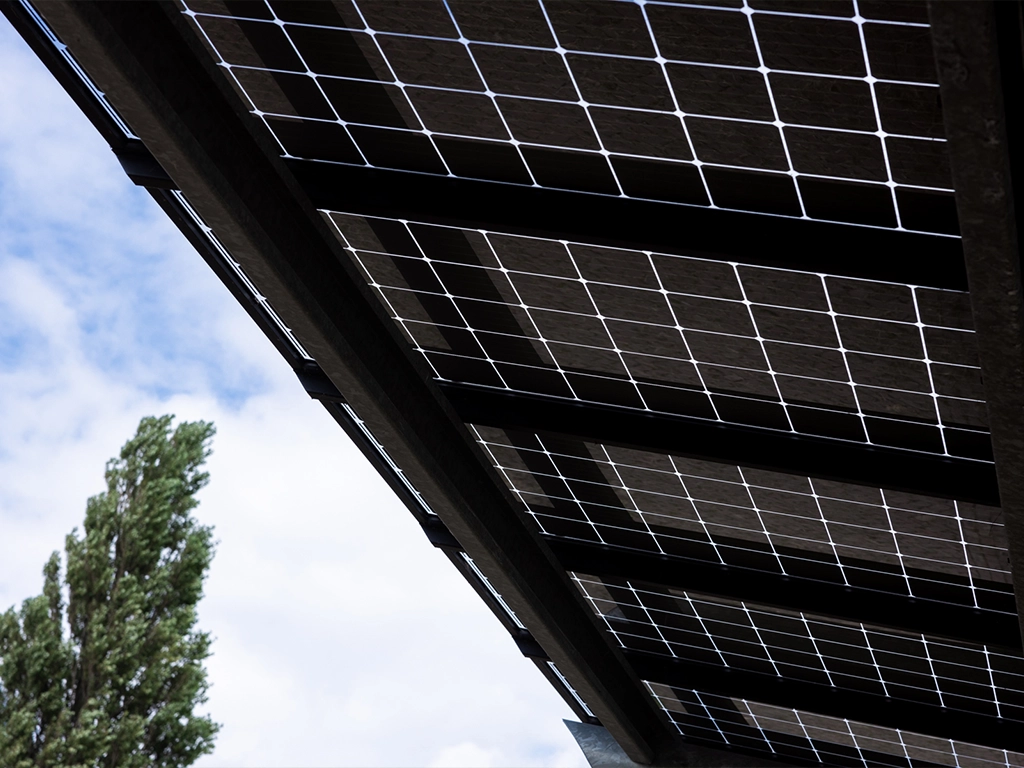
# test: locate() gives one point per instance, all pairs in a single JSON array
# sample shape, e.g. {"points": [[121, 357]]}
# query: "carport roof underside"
{"points": [[692, 335]]}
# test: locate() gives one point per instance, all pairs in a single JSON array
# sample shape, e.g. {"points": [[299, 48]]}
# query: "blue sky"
{"points": [[342, 637]]}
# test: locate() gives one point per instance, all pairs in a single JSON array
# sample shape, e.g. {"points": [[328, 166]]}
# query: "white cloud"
{"points": [[342, 637]]}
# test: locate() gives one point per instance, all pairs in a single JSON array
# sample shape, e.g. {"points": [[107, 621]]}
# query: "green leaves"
{"points": [[112, 677]]}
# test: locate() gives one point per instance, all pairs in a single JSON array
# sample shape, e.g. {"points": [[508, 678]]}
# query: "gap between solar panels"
{"points": [[828, 459], [814, 246]]}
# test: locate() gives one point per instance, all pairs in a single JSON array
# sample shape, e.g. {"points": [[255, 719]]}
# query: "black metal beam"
{"points": [[849, 462], [774, 241], [978, 53], [155, 71], [794, 593], [931, 720]]}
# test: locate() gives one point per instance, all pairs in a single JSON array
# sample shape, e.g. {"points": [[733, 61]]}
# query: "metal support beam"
{"points": [[978, 54], [156, 73], [839, 460], [858, 604], [845, 703], [774, 241]]}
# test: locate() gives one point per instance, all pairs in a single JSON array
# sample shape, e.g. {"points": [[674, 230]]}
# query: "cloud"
{"points": [[342, 636]]}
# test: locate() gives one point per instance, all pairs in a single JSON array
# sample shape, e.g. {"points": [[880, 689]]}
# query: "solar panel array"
{"points": [[738, 635], [827, 110], [815, 110]]}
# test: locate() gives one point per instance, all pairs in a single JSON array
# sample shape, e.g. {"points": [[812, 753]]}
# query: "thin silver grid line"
{"points": [[764, 736], [389, 307], [928, 367], [467, 326], [757, 633], [679, 329], [504, 473], [846, 361], [714, 720], [849, 730], [527, 309], [629, 494], [565, 482], [931, 667], [657, 627], [828, 531], [568, 686], [874, 661], [597, 313], [760, 519], [660, 60], [83, 77], [490, 94], [967, 554], [401, 86], [896, 544], [760, 340], [696, 511], [992, 681], [814, 644], [870, 80], [581, 101], [316, 82], [764, 70]]}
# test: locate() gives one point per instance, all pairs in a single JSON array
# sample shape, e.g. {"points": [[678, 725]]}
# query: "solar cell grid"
{"points": [[816, 738], [738, 635], [856, 360], [828, 113], [859, 536]]}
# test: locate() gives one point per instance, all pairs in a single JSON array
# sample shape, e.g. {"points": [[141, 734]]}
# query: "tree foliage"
{"points": [[105, 667]]}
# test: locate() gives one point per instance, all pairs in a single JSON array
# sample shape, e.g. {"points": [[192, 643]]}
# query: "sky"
{"points": [[342, 638]]}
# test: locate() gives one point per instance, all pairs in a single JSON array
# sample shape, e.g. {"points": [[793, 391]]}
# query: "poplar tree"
{"points": [[105, 667]]}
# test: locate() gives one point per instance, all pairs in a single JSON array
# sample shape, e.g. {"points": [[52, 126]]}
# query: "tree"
{"points": [[105, 667]]}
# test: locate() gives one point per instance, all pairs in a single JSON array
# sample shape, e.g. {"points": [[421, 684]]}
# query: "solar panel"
{"points": [[857, 360], [828, 112], [854, 535]]}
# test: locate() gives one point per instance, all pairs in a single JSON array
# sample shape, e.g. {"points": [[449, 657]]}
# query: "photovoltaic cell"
{"points": [[854, 535], [857, 360], [827, 113], [742, 636]]}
